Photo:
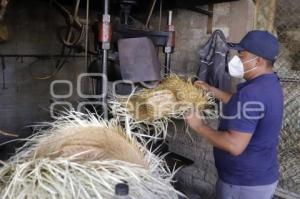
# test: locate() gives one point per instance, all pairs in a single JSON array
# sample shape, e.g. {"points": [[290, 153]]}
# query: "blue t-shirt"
{"points": [[256, 108]]}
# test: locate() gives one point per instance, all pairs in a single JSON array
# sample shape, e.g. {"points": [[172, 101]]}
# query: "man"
{"points": [[245, 144]]}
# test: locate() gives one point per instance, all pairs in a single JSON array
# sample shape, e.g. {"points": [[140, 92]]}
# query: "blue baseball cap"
{"points": [[260, 43]]}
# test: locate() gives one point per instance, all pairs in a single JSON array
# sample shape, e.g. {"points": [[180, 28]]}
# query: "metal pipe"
{"points": [[87, 32], [104, 62], [104, 85], [106, 4], [167, 63], [170, 18], [170, 44], [106, 39], [105, 47]]}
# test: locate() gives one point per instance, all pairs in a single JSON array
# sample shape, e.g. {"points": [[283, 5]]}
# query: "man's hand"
{"points": [[194, 120], [203, 85], [221, 95]]}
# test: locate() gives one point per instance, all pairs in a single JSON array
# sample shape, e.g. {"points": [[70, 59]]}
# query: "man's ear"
{"points": [[260, 61]]}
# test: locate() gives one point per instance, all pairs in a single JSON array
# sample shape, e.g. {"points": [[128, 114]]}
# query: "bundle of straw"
{"points": [[82, 156], [159, 103], [154, 108]]}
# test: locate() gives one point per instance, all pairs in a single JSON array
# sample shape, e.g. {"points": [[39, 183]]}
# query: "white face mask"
{"points": [[236, 67]]}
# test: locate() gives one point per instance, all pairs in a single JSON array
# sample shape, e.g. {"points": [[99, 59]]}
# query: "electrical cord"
{"points": [[58, 66], [71, 40], [150, 14], [69, 43]]}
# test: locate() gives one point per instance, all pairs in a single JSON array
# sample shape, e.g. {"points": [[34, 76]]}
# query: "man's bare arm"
{"points": [[234, 142]]}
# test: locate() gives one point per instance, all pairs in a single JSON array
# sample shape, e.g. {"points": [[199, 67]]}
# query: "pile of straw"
{"points": [[154, 108], [82, 156], [173, 96]]}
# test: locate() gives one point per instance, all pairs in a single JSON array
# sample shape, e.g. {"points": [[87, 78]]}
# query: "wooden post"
{"points": [[210, 19], [272, 14], [265, 12]]}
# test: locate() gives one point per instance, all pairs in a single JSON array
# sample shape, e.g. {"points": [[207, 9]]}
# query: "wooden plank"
{"points": [[257, 3], [210, 19], [272, 12]]}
